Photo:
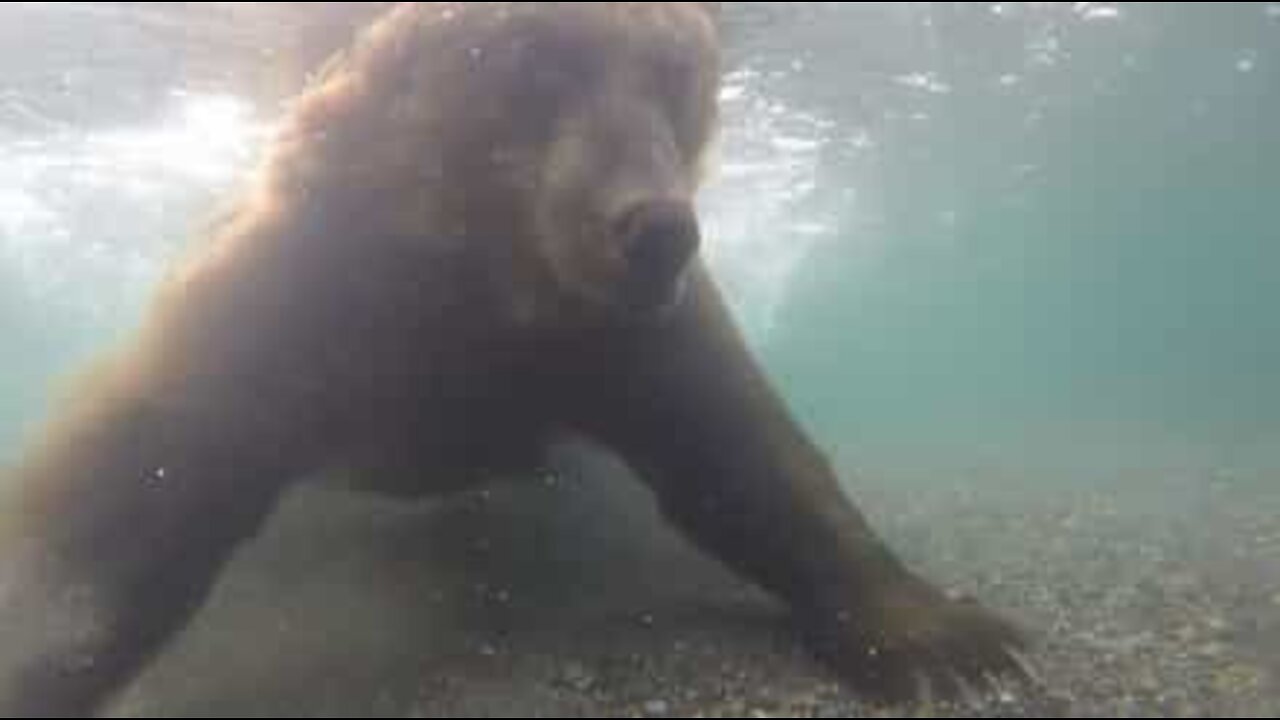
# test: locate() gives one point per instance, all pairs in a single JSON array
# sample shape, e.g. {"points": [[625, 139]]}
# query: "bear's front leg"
{"points": [[694, 415], [114, 532], [138, 489]]}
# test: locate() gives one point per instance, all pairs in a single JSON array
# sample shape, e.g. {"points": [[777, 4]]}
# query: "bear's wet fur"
{"points": [[474, 233]]}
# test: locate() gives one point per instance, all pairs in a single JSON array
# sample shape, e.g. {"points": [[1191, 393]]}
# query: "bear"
{"points": [[473, 233]]}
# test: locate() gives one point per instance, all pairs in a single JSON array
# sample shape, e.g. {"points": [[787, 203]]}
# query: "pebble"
{"points": [[657, 708]]}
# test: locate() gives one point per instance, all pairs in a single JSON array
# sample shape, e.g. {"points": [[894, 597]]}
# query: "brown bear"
{"points": [[476, 232]]}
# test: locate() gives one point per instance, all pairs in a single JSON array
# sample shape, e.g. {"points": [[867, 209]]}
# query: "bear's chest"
{"points": [[470, 431]]}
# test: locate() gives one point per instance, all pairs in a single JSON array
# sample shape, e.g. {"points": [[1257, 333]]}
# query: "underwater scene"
{"points": [[823, 359]]}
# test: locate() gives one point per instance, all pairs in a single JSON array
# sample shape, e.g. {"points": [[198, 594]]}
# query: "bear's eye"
{"points": [[549, 76], [677, 65], [559, 63], [550, 79]]}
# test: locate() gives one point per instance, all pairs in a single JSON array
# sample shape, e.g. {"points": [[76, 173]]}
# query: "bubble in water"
{"points": [[1097, 11], [1102, 13], [732, 93], [1247, 63], [862, 140], [926, 81]]}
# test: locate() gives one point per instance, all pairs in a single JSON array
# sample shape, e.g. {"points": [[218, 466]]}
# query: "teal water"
{"points": [[1079, 262], [1027, 254], [1043, 234]]}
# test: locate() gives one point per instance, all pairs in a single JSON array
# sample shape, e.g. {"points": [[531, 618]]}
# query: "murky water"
{"points": [[1039, 239]]}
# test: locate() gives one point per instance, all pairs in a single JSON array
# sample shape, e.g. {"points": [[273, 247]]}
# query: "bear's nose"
{"points": [[658, 240]]}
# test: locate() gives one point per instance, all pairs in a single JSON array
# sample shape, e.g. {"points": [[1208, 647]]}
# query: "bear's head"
{"points": [[562, 141], [627, 95], [610, 110]]}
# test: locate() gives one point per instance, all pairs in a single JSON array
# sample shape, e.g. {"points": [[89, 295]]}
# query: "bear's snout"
{"points": [[658, 240]]}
